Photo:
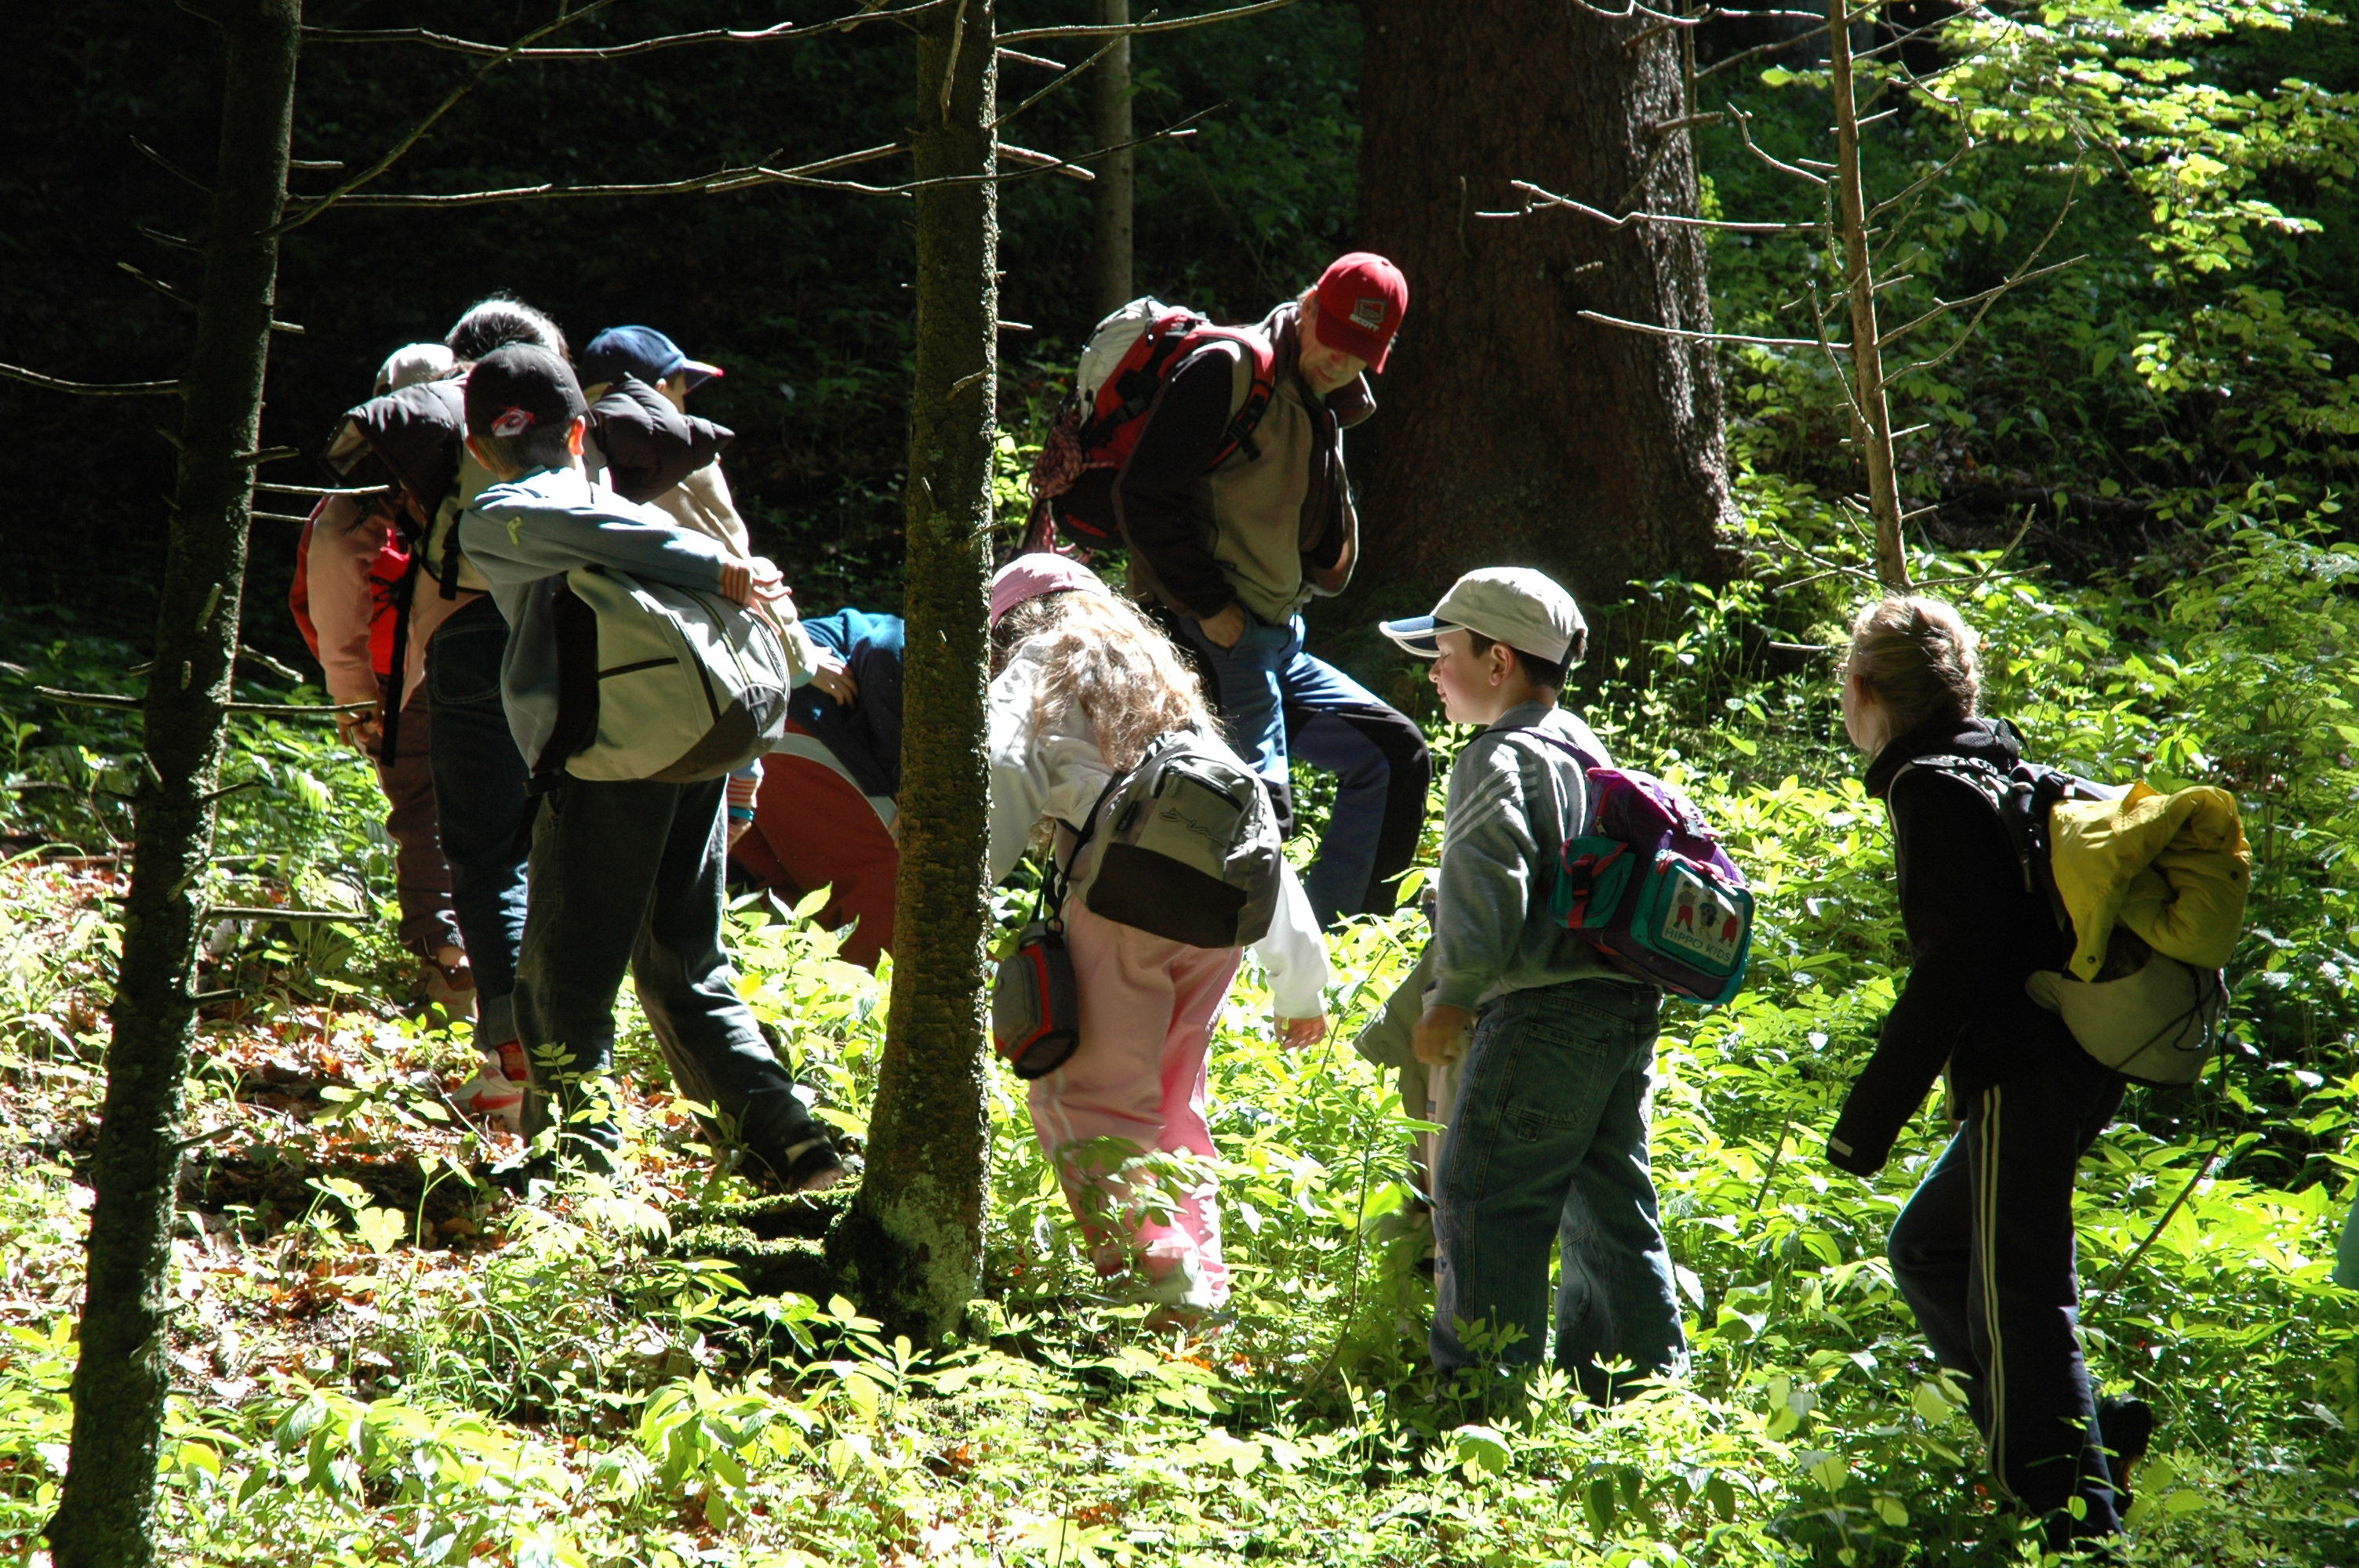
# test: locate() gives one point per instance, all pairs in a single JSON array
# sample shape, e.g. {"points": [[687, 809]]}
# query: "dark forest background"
{"points": [[802, 297]]}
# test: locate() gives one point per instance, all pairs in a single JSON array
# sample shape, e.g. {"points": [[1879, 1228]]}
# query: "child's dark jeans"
{"points": [[1548, 1144], [480, 803], [628, 876], [1984, 1253]]}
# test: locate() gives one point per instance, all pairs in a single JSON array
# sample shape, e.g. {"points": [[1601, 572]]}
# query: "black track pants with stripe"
{"points": [[1984, 1253]]}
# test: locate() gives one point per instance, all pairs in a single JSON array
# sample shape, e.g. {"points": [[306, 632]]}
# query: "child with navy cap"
{"points": [[1548, 1136], [626, 874]]}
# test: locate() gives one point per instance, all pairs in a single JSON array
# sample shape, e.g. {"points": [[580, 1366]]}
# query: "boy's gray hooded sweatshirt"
{"points": [[525, 534], [1513, 802]]}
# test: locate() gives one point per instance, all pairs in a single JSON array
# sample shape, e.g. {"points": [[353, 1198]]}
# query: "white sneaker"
{"points": [[491, 1096]]}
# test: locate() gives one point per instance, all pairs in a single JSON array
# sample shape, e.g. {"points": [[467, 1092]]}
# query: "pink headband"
{"points": [[1028, 576]]}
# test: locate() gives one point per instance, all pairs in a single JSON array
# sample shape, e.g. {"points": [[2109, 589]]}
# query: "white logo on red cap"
{"points": [[512, 422], [1368, 312]]}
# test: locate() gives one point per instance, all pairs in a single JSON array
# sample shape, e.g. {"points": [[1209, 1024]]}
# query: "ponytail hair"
{"points": [[1918, 659]]}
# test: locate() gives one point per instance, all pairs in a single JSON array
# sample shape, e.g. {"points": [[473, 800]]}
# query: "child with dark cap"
{"points": [[624, 874], [1547, 1145]]}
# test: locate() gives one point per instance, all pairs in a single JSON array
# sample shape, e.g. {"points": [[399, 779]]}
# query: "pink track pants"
{"points": [[1147, 1006]]}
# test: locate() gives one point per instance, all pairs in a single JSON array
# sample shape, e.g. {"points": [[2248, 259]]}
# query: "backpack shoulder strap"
{"points": [[1261, 359]]}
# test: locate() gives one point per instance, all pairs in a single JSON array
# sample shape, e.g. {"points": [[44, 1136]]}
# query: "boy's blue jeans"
{"points": [[1277, 701], [480, 803], [1548, 1144], [628, 877]]}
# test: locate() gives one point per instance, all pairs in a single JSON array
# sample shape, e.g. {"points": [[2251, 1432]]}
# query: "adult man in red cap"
{"points": [[1235, 548]]}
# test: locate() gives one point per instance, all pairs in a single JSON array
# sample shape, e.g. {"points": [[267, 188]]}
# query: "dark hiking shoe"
{"points": [[2126, 1426], [810, 1166]]}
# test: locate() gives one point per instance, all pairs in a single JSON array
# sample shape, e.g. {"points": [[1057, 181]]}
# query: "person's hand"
{"points": [[1296, 1033], [363, 732], [1223, 630], [770, 584], [831, 675], [737, 582], [1439, 1037]]}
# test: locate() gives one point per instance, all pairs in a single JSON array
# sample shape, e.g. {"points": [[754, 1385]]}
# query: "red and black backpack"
{"points": [[1124, 370]]}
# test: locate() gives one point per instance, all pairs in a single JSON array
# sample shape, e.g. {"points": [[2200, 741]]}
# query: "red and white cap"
{"points": [[1361, 298]]}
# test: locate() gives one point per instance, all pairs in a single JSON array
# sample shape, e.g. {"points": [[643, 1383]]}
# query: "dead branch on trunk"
{"points": [[92, 388], [1134, 29], [787, 31]]}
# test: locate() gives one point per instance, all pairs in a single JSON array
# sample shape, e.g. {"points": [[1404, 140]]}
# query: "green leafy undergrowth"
{"points": [[436, 1372]]}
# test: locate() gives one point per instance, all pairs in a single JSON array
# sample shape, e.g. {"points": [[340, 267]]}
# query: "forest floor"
{"points": [[386, 1351]]}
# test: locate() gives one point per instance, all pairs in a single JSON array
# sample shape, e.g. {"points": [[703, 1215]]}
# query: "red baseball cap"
{"points": [[1361, 298]]}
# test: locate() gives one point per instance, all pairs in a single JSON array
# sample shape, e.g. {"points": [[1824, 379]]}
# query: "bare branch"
{"points": [[92, 388], [1924, 180], [171, 241], [870, 12], [1772, 47], [1540, 200], [167, 166], [133, 704], [1133, 29], [2071, 197], [159, 286], [1064, 75], [715, 183], [1944, 306], [1683, 333], [418, 132], [1043, 61], [1048, 161], [1744, 129]]}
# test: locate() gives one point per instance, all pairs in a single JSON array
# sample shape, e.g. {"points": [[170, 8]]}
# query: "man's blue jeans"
{"points": [[1548, 1143], [480, 798], [1276, 702]]}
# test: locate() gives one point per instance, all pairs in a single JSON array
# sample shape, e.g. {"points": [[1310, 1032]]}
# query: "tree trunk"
{"points": [[1512, 431], [911, 1248], [1113, 197], [106, 1517], [1871, 407]]}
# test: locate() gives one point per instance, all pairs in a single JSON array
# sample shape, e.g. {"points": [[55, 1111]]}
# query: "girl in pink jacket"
{"points": [[1085, 684]]}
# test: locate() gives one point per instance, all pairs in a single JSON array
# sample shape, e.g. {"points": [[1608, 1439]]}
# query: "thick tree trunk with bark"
{"points": [[1512, 431], [107, 1514], [1113, 197], [911, 1248]]}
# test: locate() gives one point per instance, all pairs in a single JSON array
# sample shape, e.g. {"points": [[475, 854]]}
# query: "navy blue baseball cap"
{"points": [[641, 352]]}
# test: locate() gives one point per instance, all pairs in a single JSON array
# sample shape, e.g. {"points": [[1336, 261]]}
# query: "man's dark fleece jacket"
{"points": [[1977, 931]]}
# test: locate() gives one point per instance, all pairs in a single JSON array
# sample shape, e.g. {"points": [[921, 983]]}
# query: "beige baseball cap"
{"points": [[1515, 605]]}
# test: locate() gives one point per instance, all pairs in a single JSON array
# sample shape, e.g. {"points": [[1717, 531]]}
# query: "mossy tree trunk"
{"points": [[911, 1248], [106, 1517]]}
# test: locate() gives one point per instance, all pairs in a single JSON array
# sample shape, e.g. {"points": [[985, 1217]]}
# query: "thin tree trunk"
{"points": [[1114, 194], [911, 1248], [106, 1517], [1511, 430], [1871, 412]]}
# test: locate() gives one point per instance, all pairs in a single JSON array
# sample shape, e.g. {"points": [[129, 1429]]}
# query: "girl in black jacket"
{"points": [[1983, 1251]]}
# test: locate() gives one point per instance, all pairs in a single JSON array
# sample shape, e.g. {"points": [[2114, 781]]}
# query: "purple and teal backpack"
{"points": [[1649, 887]]}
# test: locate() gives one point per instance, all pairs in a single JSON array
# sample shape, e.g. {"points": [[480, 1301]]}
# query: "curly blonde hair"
{"points": [[1102, 656], [1919, 658]]}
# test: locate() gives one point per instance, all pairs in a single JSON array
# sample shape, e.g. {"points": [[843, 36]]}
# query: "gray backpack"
{"points": [[1184, 846], [684, 686]]}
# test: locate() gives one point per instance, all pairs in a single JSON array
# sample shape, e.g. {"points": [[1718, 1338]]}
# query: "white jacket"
{"points": [[1059, 773]]}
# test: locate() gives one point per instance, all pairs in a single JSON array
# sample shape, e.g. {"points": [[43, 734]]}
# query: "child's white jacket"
{"points": [[1059, 773]]}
